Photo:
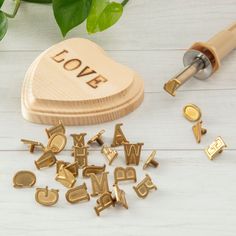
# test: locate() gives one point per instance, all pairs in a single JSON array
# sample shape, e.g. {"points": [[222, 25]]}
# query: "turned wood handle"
{"points": [[224, 42]]}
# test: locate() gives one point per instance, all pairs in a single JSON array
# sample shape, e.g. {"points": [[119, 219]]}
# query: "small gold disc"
{"points": [[24, 179], [57, 142], [192, 112]]}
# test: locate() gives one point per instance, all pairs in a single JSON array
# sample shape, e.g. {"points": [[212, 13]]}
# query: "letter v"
{"points": [[86, 71]]}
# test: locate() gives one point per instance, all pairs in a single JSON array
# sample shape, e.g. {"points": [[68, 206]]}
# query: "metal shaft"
{"points": [[184, 75]]}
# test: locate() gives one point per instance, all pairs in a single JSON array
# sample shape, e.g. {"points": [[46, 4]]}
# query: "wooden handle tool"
{"points": [[203, 59]]}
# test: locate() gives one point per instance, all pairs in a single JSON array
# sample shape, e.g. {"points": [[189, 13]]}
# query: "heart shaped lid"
{"points": [[77, 82]]}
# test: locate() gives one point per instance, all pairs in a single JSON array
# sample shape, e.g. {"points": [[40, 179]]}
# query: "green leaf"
{"points": [[70, 13], [103, 14], [3, 25], [39, 1], [16, 8], [1, 2], [110, 15]]}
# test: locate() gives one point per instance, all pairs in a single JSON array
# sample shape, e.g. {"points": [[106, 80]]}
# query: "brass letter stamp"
{"points": [[56, 142], [77, 194], [104, 202], [65, 177], [120, 196], [81, 156], [192, 112], [198, 131], [59, 164], [32, 144], [215, 148], [97, 138], [46, 197], [150, 160], [78, 139], [57, 129], [99, 183], [124, 174], [132, 153], [48, 159], [119, 137], [24, 179], [143, 188], [73, 168], [109, 153], [93, 169]]}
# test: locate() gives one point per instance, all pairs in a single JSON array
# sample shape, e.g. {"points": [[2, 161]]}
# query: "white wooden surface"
{"points": [[195, 196]]}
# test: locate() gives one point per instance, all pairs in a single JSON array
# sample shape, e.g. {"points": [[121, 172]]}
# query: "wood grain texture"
{"points": [[76, 82], [195, 196]]}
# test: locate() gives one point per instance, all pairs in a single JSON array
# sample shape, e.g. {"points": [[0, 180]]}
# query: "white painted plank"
{"points": [[195, 196], [158, 122], [146, 24], [155, 67]]}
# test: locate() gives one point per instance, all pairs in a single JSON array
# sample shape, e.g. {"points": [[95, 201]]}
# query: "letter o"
{"points": [[72, 64]]}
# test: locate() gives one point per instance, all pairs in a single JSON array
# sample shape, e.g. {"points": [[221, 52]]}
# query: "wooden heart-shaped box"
{"points": [[77, 82]]}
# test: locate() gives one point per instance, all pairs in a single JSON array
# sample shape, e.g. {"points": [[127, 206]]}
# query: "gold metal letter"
{"points": [[123, 174], [32, 144], [65, 177], [120, 196], [109, 153], [215, 148], [48, 159], [132, 153], [150, 160], [24, 179], [46, 197], [104, 202], [97, 138], [57, 129], [143, 188], [81, 156], [99, 183], [78, 139], [93, 169], [77, 194], [119, 137], [73, 168], [198, 131]]}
